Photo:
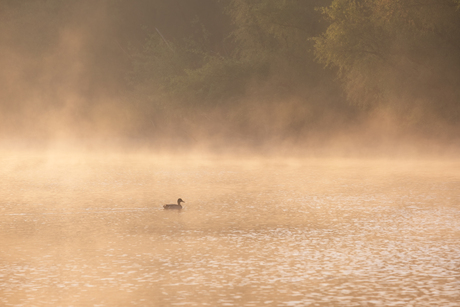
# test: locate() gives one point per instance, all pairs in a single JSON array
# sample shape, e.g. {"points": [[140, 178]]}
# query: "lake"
{"points": [[90, 230]]}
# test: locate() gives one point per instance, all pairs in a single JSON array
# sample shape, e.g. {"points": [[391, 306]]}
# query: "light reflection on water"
{"points": [[80, 231]]}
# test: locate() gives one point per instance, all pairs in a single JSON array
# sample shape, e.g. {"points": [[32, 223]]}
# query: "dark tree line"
{"points": [[241, 67], [403, 53]]}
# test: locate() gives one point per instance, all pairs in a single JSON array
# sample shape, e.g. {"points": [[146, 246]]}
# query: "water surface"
{"points": [[90, 230]]}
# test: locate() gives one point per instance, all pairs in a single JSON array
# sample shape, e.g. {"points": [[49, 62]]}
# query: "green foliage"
{"points": [[402, 54], [268, 38], [219, 79], [280, 32], [394, 51]]}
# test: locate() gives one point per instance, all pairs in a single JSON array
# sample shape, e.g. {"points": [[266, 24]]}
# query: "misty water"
{"points": [[90, 230]]}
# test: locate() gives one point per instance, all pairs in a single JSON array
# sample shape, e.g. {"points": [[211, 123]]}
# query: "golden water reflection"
{"points": [[91, 231]]}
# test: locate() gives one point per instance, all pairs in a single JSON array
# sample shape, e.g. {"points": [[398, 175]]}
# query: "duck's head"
{"points": [[180, 201]]}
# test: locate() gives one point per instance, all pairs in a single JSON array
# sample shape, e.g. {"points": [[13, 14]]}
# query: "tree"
{"points": [[264, 41], [394, 52]]}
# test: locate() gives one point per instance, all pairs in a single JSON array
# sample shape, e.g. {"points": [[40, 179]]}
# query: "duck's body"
{"points": [[173, 206]]}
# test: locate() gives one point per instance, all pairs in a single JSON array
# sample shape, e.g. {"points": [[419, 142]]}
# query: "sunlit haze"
{"points": [[315, 145]]}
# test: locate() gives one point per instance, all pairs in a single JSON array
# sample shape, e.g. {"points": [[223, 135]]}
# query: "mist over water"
{"points": [[89, 230], [304, 185], [173, 74]]}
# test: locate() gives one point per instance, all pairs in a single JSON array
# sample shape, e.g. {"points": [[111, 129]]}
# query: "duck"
{"points": [[174, 206]]}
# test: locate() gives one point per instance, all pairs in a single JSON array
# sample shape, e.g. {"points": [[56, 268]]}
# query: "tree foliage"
{"points": [[399, 52], [265, 40], [235, 57]]}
